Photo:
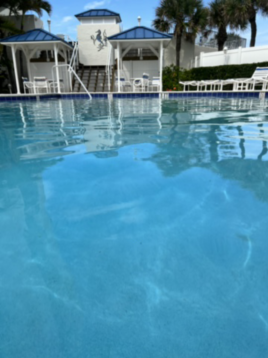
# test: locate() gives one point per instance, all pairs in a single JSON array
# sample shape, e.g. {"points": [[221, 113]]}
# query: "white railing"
{"points": [[74, 58], [71, 71]]}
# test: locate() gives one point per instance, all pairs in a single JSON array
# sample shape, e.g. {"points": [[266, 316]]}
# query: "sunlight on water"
{"points": [[134, 228]]}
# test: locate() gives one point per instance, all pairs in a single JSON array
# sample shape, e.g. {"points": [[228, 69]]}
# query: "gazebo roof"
{"points": [[99, 13], [34, 36], [140, 33]]}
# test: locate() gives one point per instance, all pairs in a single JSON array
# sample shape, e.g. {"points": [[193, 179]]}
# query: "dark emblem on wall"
{"points": [[100, 40]]}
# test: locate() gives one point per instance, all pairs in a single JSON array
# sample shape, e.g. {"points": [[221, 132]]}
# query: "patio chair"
{"points": [[27, 85], [123, 84], [259, 77], [141, 83], [53, 86], [208, 85], [41, 83], [188, 84], [146, 80], [155, 83]]}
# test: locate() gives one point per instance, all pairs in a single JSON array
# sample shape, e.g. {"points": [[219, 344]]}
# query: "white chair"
{"points": [[188, 84], [210, 85], [27, 85], [141, 83], [155, 83], [259, 78], [123, 83], [146, 80], [41, 83], [53, 86]]}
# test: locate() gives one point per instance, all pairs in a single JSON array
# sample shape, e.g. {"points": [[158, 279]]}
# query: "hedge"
{"points": [[172, 75]]}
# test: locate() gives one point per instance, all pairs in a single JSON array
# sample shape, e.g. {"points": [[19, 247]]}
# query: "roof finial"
{"points": [[49, 25], [139, 20]]}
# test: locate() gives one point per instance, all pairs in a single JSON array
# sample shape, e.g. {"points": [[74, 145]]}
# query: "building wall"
{"points": [[135, 69], [187, 53], [199, 49], [93, 49], [40, 69], [31, 22]]}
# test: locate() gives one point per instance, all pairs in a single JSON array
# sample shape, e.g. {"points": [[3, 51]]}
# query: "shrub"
{"points": [[172, 74]]}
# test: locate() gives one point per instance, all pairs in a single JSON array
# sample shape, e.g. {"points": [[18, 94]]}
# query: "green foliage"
{"points": [[171, 74]]}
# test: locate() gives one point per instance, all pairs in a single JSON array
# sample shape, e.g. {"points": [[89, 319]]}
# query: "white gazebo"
{"points": [[139, 40], [36, 42]]}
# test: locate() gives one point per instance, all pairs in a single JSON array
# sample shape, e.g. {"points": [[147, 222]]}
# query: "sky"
{"points": [[64, 22]]}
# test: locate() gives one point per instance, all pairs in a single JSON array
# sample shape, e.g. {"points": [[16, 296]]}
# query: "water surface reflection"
{"points": [[134, 228]]}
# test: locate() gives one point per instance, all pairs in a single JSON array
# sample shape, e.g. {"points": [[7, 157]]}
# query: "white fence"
{"points": [[232, 57]]}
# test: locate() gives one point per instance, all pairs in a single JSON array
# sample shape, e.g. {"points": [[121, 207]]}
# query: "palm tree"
{"points": [[7, 28], [246, 11], [183, 17], [12, 6], [38, 6], [218, 19]]}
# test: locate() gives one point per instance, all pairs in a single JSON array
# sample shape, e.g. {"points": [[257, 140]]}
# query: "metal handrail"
{"points": [[72, 71], [74, 55]]}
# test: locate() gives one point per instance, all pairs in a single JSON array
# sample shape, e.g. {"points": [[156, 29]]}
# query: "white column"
{"points": [[118, 66], [57, 68], [15, 68], [28, 62], [67, 75], [161, 65]]}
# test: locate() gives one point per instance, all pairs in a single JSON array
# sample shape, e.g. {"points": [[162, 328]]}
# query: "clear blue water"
{"points": [[135, 228]]}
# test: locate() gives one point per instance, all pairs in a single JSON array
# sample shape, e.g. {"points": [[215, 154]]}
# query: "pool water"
{"points": [[134, 228]]}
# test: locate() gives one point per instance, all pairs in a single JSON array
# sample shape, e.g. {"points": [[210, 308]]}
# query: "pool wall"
{"points": [[164, 95]]}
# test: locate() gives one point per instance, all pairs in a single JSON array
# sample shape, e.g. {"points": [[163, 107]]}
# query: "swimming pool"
{"points": [[134, 228]]}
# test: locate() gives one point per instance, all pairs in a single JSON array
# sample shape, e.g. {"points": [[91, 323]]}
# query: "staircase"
{"points": [[94, 78]]}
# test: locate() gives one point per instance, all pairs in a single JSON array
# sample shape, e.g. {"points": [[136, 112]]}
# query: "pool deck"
{"points": [[111, 95]]}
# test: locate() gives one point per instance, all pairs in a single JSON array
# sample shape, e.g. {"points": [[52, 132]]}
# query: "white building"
{"points": [[92, 34]]}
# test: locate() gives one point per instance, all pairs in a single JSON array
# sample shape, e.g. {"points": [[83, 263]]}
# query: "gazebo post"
{"points": [[68, 73], [161, 65], [13, 49], [118, 66], [57, 67], [28, 61]]}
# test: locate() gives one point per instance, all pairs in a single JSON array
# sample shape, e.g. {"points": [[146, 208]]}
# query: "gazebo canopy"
{"points": [[140, 33], [35, 37]]}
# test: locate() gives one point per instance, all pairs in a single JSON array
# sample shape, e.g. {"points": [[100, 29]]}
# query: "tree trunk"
{"points": [[178, 48], [8, 68], [253, 26], [221, 37]]}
